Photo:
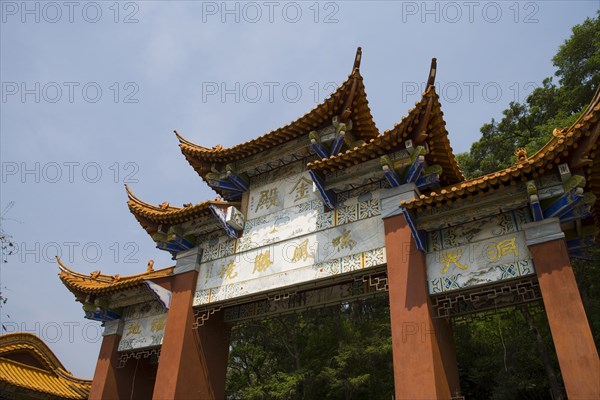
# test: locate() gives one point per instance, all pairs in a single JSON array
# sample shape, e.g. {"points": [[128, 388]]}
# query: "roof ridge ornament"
{"points": [[432, 72], [357, 59], [521, 153]]}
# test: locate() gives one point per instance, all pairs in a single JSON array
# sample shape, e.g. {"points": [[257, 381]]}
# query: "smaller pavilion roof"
{"points": [[97, 283], [29, 369], [150, 216], [348, 101]]}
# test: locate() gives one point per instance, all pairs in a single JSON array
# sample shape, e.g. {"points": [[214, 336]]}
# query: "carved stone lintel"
{"points": [[114, 327], [542, 231], [188, 260], [391, 198]]}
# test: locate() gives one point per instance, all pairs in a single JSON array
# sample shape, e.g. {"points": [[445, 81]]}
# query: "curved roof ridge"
{"points": [[10, 342], [49, 377], [133, 198], [562, 141], [104, 278], [348, 92]]}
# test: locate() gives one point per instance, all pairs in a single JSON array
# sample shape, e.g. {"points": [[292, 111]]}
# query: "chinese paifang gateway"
{"points": [[326, 210]]}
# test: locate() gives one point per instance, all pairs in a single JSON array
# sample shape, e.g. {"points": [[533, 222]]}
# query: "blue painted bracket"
{"points": [[389, 172], [414, 172], [336, 146], [171, 242], [427, 181], [579, 212], [181, 241], [536, 207], [102, 314], [581, 243], [564, 203], [317, 146], [221, 215], [329, 197], [224, 185], [170, 247], [581, 255], [418, 235], [320, 150], [391, 176], [238, 181]]}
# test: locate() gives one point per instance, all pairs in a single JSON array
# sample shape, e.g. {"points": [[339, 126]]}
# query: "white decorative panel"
{"points": [[289, 239], [143, 326], [493, 259]]}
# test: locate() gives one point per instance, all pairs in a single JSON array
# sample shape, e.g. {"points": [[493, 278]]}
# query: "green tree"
{"points": [[549, 106]]}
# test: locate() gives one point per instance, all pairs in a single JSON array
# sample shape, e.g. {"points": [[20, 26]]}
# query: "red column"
{"points": [[192, 364], [423, 349], [573, 340], [110, 382]]}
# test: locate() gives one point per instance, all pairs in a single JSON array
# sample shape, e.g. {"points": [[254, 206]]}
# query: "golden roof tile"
{"points": [[349, 100], [40, 374], [97, 283], [150, 216], [580, 153], [436, 136]]}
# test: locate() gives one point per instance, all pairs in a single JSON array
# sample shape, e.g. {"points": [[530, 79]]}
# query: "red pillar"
{"points": [[110, 382], [573, 340], [192, 364], [423, 349]]}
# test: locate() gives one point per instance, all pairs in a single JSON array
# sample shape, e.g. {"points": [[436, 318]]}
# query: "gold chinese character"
{"points": [[227, 272], [301, 252], [343, 241], [452, 258], [262, 261], [267, 199], [301, 188], [134, 329], [502, 248], [158, 324]]}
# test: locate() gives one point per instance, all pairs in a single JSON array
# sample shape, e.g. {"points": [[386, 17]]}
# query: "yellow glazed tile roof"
{"points": [[349, 97], [48, 378], [97, 283], [577, 146], [150, 216], [436, 138]]}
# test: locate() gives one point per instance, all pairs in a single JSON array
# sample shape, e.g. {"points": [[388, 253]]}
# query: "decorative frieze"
{"points": [[498, 252], [143, 326], [361, 287]]}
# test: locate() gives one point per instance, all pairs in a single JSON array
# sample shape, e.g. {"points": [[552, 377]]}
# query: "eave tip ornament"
{"points": [[357, 59], [432, 72]]}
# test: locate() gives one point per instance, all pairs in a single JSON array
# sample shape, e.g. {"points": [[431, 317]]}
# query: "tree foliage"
{"points": [[549, 106], [332, 353]]}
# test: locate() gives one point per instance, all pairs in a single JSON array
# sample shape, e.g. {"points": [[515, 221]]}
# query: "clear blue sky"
{"points": [[98, 87]]}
